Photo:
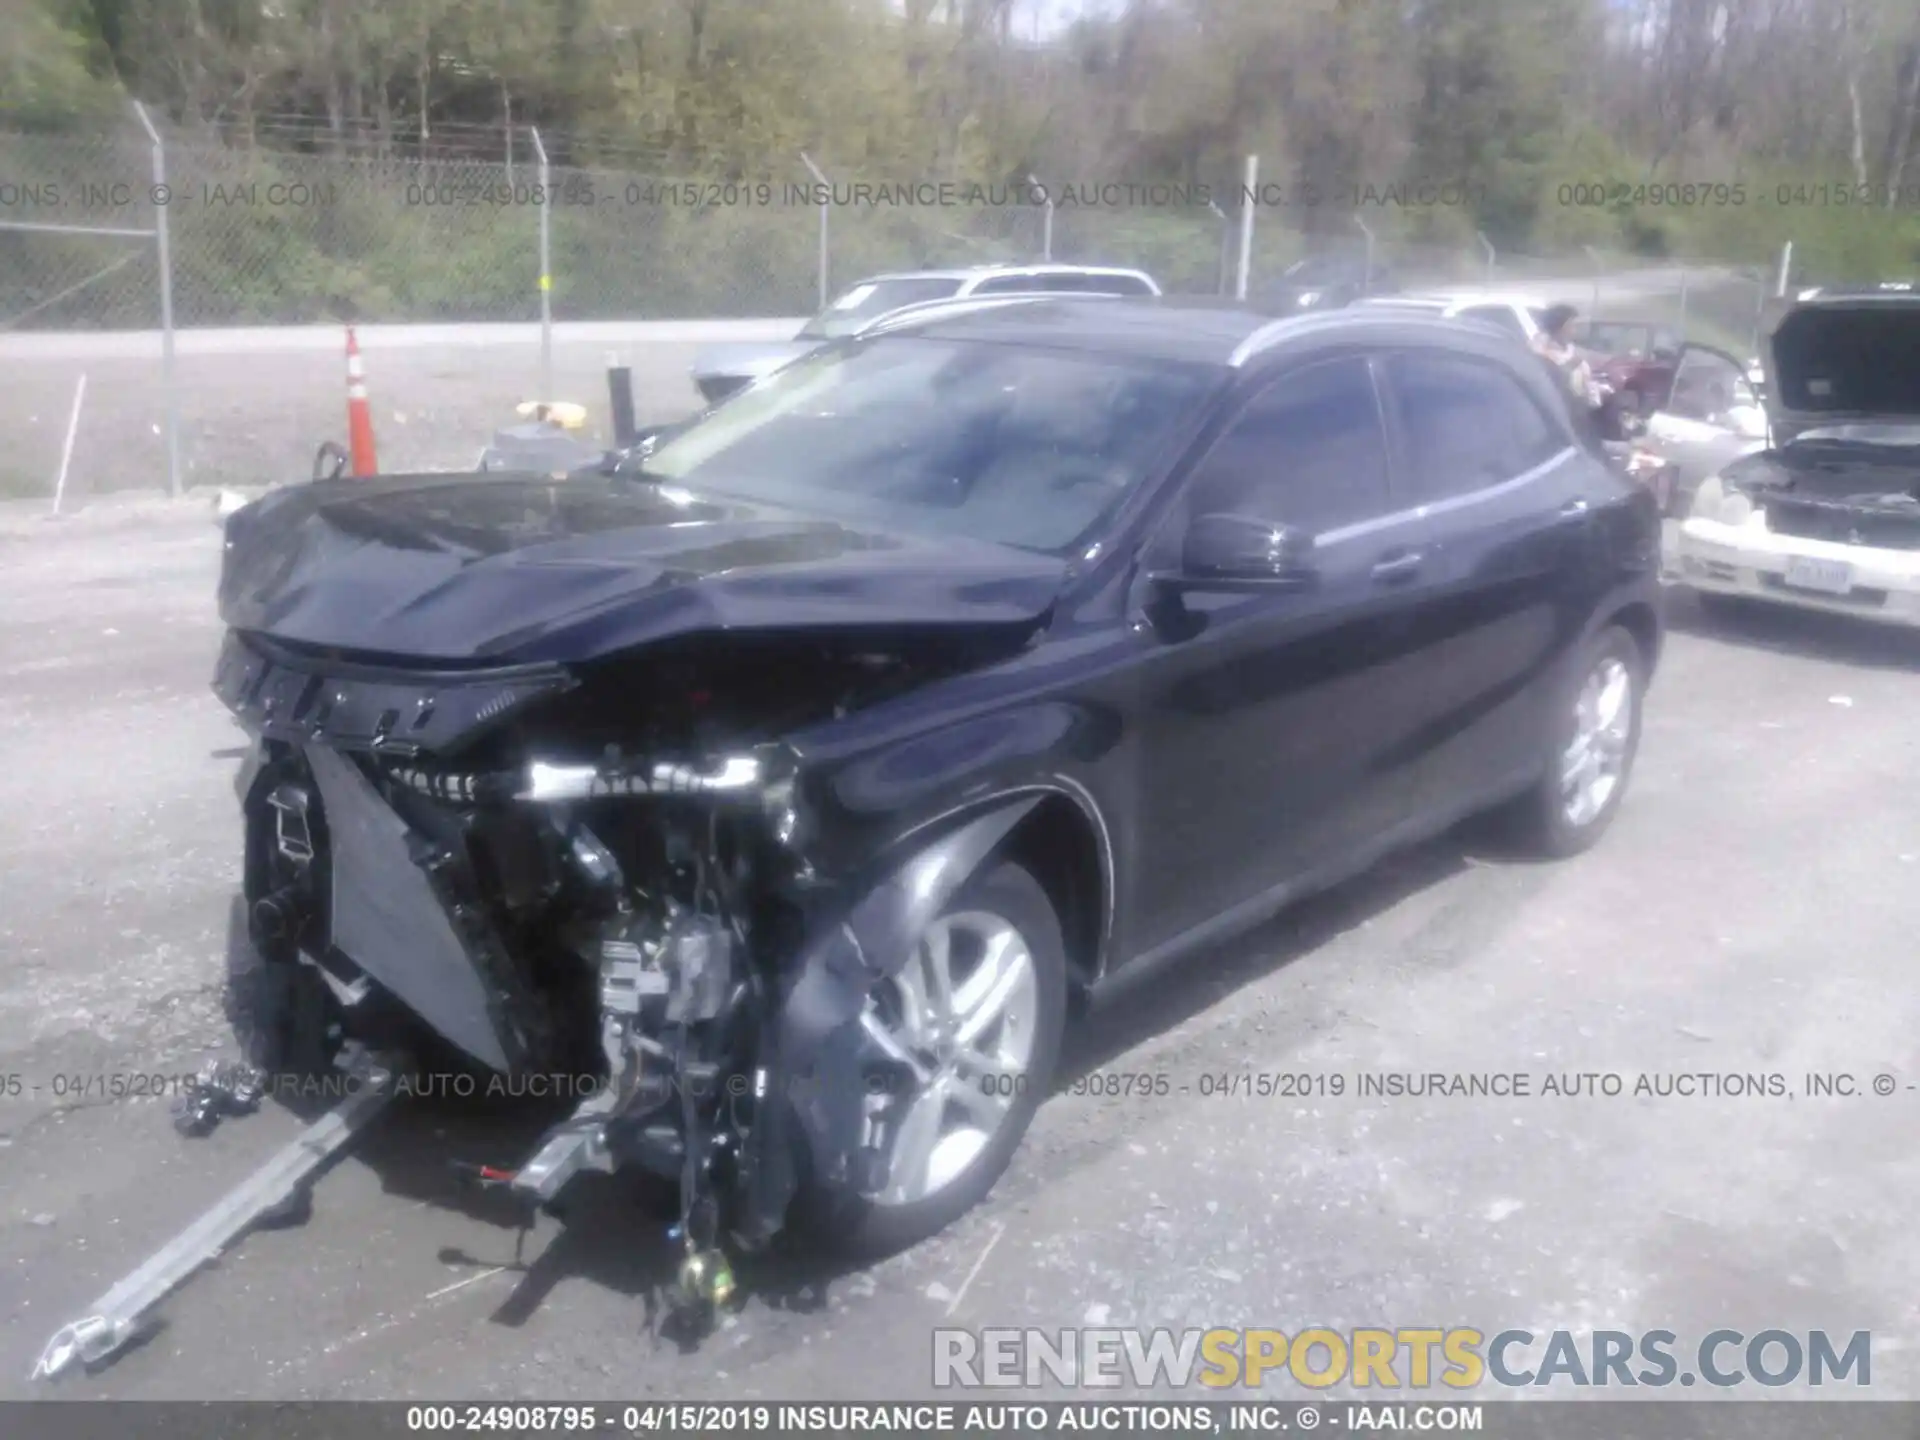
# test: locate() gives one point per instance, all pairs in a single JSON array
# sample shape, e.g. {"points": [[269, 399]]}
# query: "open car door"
{"points": [[1709, 416]]}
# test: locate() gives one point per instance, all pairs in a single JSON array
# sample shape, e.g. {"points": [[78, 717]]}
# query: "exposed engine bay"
{"points": [[598, 878], [1834, 488]]}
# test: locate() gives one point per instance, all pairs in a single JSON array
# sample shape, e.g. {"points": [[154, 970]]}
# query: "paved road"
{"points": [[1752, 913]]}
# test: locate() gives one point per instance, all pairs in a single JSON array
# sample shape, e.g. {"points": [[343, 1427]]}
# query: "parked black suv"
{"points": [[788, 778]]}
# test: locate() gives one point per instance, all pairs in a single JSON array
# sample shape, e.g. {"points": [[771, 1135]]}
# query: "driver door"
{"points": [[1710, 418], [1276, 724]]}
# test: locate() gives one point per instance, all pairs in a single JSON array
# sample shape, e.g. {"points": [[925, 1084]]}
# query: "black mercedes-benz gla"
{"points": [[788, 774]]}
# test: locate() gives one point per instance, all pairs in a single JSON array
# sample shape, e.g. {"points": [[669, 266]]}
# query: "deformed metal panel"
{"points": [[387, 918]]}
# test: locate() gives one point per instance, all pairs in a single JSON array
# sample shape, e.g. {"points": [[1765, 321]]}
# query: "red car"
{"points": [[1634, 358]]}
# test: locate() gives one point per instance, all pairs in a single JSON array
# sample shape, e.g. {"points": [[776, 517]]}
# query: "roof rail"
{"points": [[927, 311]]}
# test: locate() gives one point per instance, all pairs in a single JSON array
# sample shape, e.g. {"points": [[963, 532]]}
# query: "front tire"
{"points": [[981, 1004], [1595, 736]]}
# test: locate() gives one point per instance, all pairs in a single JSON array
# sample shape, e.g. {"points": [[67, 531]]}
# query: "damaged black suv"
{"points": [[790, 778]]}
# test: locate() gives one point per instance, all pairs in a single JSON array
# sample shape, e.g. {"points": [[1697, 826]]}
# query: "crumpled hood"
{"points": [[1831, 361], [520, 569], [750, 361]]}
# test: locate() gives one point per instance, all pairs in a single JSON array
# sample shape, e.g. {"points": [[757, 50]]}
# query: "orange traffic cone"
{"points": [[359, 417]]}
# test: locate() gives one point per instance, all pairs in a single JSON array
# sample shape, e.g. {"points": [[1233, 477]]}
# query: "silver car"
{"points": [[725, 369]]}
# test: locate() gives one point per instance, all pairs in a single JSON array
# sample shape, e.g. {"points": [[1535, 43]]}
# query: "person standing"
{"points": [[1555, 345], [1573, 377]]}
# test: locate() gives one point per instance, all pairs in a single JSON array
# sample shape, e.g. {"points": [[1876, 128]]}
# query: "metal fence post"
{"points": [[1249, 191], [1487, 245], [1046, 218], [545, 210], [826, 194], [1786, 269], [1366, 273], [163, 255], [1223, 263], [1684, 276]]}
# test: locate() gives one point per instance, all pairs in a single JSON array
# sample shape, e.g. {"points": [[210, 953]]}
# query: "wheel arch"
{"points": [[1639, 620], [1059, 835], [1063, 843]]}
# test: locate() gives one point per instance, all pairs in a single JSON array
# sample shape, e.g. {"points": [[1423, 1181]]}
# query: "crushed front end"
{"points": [[591, 879]]}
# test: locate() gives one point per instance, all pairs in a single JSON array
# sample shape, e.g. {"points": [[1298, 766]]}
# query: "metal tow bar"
{"points": [[117, 1317]]}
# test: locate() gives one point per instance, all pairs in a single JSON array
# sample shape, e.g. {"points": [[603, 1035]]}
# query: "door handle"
{"points": [[1397, 568]]}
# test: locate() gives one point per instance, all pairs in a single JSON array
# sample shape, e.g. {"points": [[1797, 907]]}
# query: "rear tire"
{"points": [[866, 1228], [1590, 750]]}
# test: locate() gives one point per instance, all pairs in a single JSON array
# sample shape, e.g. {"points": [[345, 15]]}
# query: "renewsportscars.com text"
{"points": [[1395, 1359]]}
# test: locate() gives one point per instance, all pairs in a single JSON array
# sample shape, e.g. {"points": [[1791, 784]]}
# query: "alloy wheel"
{"points": [[1595, 759], [961, 1017]]}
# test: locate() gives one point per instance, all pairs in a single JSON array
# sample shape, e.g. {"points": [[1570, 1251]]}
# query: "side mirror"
{"points": [[1237, 553]]}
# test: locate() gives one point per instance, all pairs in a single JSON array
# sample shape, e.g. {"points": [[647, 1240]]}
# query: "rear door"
{"points": [[1507, 497]]}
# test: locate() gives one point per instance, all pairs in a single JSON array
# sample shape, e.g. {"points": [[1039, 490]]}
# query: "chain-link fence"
{"points": [[92, 239], [262, 237], [81, 225]]}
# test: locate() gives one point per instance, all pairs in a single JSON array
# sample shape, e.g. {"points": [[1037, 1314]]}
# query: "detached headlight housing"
{"points": [[1715, 500]]}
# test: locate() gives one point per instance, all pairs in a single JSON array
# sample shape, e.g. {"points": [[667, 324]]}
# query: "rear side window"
{"points": [[1118, 285], [1468, 423]]}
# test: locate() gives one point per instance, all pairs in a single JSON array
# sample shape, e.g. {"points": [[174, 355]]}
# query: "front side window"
{"points": [[1025, 447], [1309, 451], [1468, 423]]}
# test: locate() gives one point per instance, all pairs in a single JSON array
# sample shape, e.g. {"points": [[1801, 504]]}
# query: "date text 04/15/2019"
{"points": [[101, 1085]]}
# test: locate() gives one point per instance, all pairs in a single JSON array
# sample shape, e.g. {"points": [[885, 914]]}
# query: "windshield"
{"points": [[871, 299], [1032, 448]]}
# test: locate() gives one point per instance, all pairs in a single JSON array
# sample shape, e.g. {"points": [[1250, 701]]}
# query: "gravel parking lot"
{"points": [[1752, 913]]}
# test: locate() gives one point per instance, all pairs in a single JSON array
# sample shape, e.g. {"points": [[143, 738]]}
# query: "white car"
{"points": [[1518, 315], [1707, 414], [1828, 518], [721, 372]]}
